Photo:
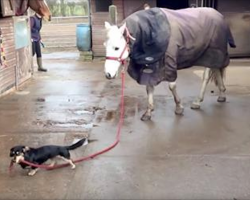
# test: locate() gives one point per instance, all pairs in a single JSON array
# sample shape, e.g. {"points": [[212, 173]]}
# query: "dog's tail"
{"points": [[79, 143], [230, 38]]}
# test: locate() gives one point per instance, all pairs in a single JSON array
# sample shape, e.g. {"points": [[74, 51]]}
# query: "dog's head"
{"points": [[17, 153]]}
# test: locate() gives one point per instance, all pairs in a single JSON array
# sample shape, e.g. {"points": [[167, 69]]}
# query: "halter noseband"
{"points": [[119, 59]]}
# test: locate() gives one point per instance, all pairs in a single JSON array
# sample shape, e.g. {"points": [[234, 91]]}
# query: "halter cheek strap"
{"points": [[119, 59]]}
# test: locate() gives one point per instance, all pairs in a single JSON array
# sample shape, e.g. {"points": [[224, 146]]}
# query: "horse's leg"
{"points": [[179, 108], [206, 76], [221, 86], [150, 92]]}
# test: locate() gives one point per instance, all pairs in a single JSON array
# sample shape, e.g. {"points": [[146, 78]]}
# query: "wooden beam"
{"points": [[113, 14]]}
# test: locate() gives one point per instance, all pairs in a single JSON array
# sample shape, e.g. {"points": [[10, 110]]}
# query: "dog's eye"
{"points": [[116, 48], [17, 152]]}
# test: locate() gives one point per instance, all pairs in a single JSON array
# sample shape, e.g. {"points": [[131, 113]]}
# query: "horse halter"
{"points": [[119, 59]]}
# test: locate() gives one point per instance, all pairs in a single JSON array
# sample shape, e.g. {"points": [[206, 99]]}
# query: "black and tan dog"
{"points": [[42, 154]]}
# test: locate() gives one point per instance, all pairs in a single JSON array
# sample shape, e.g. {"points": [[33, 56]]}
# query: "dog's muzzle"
{"points": [[13, 159], [17, 159]]}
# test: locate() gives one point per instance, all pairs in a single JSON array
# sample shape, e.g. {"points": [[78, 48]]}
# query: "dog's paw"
{"points": [[32, 172], [73, 166]]}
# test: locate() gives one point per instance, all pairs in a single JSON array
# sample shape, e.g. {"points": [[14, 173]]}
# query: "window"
{"points": [[202, 3], [68, 8], [102, 5], [175, 4]]}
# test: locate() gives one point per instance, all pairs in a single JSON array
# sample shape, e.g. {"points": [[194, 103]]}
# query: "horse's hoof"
{"points": [[221, 99], [179, 111], [145, 118], [195, 106]]}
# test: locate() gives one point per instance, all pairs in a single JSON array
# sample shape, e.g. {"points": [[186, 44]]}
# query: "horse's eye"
{"points": [[116, 48]]}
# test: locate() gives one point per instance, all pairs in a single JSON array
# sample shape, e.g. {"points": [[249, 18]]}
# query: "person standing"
{"points": [[36, 26]]}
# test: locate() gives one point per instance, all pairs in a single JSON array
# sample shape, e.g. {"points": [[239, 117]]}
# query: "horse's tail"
{"points": [[213, 75], [230, 38]]}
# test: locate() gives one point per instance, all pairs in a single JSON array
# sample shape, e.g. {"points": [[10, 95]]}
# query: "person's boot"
{"points": [[40, 65]]}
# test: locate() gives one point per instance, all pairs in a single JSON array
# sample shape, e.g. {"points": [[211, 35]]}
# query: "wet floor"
{"points": [[201, 155]]}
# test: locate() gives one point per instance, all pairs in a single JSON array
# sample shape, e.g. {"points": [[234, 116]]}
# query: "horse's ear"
{"points": [[107, 25], [122, 28]]}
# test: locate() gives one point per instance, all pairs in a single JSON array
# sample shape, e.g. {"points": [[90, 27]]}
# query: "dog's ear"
{"points": [[12, 153], [26, 149]]}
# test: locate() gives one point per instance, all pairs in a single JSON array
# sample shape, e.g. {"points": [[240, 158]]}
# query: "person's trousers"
{"points": [[36, 49]]}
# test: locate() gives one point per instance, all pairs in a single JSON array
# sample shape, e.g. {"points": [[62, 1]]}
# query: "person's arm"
{"points": [[32, 22], [31, 25]]}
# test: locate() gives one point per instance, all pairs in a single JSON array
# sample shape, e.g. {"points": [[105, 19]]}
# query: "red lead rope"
{"points": [[118, 135]]}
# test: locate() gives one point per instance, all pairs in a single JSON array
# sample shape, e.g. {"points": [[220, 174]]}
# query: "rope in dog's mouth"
{"points": [[11, 166], [118, 135]]}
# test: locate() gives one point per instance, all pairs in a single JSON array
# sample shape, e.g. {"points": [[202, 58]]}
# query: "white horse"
{"points": [[120, 45]]}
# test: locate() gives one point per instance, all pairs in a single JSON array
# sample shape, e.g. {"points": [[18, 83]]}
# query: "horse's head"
{"points": [[41, 8], [116, 50]]}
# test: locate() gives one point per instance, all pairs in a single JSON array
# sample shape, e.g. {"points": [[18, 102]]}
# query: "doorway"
{"points": [[172, 4]]}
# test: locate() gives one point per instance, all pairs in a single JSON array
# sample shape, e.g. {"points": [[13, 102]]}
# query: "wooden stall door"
{"points": [[8, 56], [23, 49]]}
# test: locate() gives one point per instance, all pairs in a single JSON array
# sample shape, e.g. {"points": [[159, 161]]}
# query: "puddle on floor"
{"points": [[24, 92], [69, 125], [83, 112]]}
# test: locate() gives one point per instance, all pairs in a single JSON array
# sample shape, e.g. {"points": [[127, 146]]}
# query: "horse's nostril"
{"points": [[108, 76]]}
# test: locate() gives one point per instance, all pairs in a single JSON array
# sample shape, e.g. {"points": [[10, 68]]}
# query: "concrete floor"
{"points": [[201, 155]]}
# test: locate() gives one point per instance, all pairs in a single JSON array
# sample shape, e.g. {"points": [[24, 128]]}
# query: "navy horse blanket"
{"points": [[170, 40]]}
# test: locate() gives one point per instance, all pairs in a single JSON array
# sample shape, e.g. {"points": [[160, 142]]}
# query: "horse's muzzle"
{"points": [[108, 76]]}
